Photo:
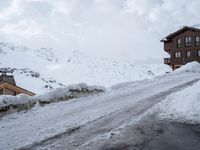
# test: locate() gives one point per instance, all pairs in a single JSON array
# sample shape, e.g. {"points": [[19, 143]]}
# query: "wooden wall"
{"points": [[171, 46]]}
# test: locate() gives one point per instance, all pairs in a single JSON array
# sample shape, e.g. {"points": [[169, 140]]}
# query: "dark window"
{"points": [[177, 54], [198, 53], [188, 41], [197, 41], [178, 43], [188, 54]]}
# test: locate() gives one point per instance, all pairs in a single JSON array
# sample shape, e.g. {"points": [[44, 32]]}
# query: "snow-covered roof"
{"points": [[196, 28]]}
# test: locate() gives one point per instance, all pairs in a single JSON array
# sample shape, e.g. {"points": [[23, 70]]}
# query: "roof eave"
{"points": [[179, 31], [31, 93], [164, 40]]}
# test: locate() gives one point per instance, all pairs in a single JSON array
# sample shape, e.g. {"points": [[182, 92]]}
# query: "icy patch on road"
{"points": [[182, 106]]}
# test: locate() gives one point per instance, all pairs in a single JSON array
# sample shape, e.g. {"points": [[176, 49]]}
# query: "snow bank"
{"points": [[11, 104], [72, 91], [22, 101], [6, 100], [182, 106], [190, 67]]}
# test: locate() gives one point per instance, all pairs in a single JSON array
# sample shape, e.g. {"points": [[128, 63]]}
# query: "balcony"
{"points": [[167, 46], [167, 61]]}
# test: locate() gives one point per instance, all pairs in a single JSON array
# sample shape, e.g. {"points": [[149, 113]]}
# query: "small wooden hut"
{"points": [[8, 85]]}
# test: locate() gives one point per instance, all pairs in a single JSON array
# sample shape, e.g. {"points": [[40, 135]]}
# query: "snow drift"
{"points": [[72, 91], [10, 104], [182, 106], [189, 67]]}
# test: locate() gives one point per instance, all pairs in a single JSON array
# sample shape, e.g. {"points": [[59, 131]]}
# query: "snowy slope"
{"points": [[40, 70], [88, 123], [108, 72], [30, 66]]}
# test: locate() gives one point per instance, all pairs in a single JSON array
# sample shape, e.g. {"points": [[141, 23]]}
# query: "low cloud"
{"points": [[121, 29]]}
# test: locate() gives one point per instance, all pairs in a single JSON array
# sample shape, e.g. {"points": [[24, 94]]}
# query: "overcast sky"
{"points": [[121, 29]]}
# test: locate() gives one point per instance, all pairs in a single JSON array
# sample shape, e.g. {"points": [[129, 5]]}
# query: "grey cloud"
{"points": [[127, 29]]}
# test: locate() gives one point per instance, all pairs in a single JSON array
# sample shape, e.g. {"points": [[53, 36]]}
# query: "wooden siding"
{"points": [[7, 91], [6, 86], [170, 45]]}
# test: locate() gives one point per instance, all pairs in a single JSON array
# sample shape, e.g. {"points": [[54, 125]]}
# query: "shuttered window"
{"points": [[178, 43], [188, 53], [177, 54], [188, 41], [198, 53], [197, 41]]}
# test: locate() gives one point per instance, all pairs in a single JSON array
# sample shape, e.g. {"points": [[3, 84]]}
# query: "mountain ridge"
{"points": [[58, 71]]}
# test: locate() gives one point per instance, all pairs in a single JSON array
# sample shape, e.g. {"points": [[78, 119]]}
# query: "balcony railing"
{"points": [[167, 60]]}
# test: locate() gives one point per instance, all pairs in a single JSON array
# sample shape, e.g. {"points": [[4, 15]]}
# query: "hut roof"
{"points": [[16, 88]]}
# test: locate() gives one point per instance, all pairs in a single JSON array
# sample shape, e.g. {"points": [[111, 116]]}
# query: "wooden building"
{"points": [[9, 87], [183, 46]]}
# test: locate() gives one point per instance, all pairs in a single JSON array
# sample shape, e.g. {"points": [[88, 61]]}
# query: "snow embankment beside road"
{"points": [[190, 67], [22, 101], [184, 105]]}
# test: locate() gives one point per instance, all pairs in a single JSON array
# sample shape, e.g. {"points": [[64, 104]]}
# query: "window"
{"points": [[188, 54], [197, 41], [188, 41], [177, 54], [198, 53], [178, 43]]}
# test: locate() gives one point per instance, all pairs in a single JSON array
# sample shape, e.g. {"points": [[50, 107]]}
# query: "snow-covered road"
{"points": [[82, 123]]}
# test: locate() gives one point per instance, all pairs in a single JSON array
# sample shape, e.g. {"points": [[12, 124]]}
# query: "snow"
{"points": [[121, 104], [70, 69], [27, 63], [68, 92], [189, 67], [183, 105], [40, 123], [6, 100]]}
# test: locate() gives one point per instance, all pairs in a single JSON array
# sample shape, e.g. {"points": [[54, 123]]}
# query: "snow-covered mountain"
{"points": [[40, 70], [30, 66]]}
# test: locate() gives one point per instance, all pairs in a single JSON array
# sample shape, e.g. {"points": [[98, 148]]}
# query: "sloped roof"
{"points": [[178, 32], [15, 88]]}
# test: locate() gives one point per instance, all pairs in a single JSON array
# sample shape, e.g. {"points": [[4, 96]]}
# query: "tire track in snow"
{"points": [[85, 134]]}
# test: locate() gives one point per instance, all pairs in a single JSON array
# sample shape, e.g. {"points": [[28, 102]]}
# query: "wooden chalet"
{"points": [[183, 46], [9, 87]]}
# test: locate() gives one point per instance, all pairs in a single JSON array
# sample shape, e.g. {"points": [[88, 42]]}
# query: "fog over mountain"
{"points": [[41, 70], [121, 29]]}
